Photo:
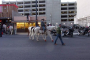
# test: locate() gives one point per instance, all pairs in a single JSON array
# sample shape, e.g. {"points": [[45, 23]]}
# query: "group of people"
{"points": [[5, 28], [58, 30]]}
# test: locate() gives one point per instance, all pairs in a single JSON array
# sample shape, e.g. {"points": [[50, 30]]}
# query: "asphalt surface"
{"points": [[19, 47]]}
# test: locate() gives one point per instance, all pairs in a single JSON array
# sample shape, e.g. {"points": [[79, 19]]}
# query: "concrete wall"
{"points": [[53, 11], [75, 20], [20, 18], [1, 9], [69, 23], [38, 17], [83, 8]]}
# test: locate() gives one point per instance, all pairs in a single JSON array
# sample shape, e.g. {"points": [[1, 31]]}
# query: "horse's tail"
{"points": [[33, 30]]}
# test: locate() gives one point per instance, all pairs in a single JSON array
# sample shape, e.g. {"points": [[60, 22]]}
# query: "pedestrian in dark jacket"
{"points": [[43, 25], [59, 35]]}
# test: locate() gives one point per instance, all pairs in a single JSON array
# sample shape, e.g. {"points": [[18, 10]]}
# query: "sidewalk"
{"points": [[22, 33]]}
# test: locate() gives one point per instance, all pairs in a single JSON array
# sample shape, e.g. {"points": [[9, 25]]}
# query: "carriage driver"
{"points": [[43, 25]]}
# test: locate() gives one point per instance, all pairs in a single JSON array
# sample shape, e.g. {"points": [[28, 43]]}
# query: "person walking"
{"points": [[59, 35]]}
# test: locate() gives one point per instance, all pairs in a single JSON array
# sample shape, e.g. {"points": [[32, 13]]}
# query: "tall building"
{"points": [[56, 12], [68, 11]]}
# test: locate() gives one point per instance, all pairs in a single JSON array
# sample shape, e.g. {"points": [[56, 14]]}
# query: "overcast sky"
{"points": [[61, 0]]}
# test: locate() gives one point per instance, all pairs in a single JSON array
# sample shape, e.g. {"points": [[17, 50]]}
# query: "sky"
{"points": [[61, 1]]}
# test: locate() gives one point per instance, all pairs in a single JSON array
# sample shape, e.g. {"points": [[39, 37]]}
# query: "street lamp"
{"points": [[36, 14], [51, 18], [30, 12]]}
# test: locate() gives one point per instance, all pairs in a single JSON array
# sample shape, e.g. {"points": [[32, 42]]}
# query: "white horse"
{"points": [[30, 32], [11, 29], [36, 32], [5, 27]]}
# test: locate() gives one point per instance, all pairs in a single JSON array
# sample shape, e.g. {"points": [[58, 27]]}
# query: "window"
{"points": [[42, 13], [19, 2], [63, 16], [41, 1], [71, 19], [63, 20], [64, 12], [42, 9], [63, 8], [28, 6], [42, 5], [71, 4], [20, 10], [63, 4]]}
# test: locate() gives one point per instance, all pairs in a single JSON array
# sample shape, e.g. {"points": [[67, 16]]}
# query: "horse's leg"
{"points": [[43, 36], [29, 36], [33, 36], [11, 32], [50, 35], [36, 35]]}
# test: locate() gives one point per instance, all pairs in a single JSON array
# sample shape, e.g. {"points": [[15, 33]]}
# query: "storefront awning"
{"points": [[18, 21], [26, 21]]}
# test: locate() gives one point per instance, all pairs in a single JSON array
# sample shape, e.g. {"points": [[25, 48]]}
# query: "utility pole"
{"points": [[36, 14]]}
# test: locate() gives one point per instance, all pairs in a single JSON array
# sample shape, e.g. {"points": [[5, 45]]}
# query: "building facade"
{"points": [[56, 12], [6, 12], [68, 11]]}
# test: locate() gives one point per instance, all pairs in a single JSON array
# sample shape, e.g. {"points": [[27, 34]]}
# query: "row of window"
{"points": [[65, 12], [70, 8], [65, 16], [28, 6], [28, 10], [62, 20], [40, 13], [70, 4], [26, 2]]}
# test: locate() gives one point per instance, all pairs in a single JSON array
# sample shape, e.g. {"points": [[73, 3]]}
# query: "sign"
{"points": [[1, 9]]}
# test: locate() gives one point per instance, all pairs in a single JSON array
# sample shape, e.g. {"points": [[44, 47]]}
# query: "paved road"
{"points": [[19, 47]]}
